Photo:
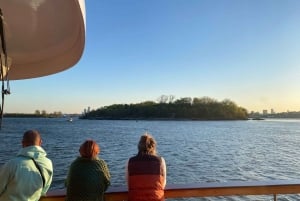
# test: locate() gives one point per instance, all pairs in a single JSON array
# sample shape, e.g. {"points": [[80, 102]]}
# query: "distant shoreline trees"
{"points": [[37, 113], [169, 108]]}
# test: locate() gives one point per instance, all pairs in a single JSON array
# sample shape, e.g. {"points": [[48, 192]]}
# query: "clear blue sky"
{"points": [[247, 51]]}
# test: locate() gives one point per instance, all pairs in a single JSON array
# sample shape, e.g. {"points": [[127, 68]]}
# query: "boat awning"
{"points": [[43, 37]]}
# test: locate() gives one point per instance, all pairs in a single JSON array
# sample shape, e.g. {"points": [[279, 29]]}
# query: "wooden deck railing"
{"points": [[272, 188]]}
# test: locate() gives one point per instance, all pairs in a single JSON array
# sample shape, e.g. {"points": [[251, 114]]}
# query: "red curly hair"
{"points": [[89, 149]]}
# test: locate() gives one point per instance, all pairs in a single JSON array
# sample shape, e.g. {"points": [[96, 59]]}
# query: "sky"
{"points": [[137, 50]]}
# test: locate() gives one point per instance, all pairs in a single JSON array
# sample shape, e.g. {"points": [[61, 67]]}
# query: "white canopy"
{"points": [[43, 37]]}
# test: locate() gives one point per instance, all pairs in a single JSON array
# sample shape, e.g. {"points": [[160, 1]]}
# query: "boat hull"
{"points": [[42, 37]]}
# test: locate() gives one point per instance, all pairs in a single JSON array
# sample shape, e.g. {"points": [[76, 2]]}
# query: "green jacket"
{"points": [[87, 180], [20, 179]]}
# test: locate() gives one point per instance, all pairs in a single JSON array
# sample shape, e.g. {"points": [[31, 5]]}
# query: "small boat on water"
{"points": [[70, 119]]}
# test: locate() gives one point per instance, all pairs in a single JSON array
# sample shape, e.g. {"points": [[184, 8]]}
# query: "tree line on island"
{"points": [[169, 108]]}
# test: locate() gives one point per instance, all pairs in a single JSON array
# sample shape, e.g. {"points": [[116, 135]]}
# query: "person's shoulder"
{"points": [[132, 158], [17, 159], [162, 159], [76, 160], [13, 162], [48, 163], [100, 160]]}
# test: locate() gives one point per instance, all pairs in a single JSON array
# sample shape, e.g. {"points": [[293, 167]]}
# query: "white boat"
{"points": [[42, 37]]}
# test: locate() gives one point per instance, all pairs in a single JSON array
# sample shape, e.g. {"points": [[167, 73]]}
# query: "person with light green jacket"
{"points": [[28, 176]]}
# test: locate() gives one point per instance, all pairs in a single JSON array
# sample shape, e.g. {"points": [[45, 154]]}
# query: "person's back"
{"points": [[29, 175], [88, 176], [146, 173]]}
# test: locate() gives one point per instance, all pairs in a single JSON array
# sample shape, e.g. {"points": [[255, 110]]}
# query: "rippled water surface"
{"points": [[195, 151]]}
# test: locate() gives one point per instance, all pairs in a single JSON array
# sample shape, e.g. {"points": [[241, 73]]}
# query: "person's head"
{"points": [[147, 144], [31, 138], [89, 149]]}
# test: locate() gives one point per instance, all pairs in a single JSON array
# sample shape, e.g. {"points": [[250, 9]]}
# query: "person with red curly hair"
{"points": [[88, 177]]}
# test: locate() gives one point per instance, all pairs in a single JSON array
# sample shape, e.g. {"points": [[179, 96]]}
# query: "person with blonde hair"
{"points": [[88, 177], [28, 176], [146, 172]]}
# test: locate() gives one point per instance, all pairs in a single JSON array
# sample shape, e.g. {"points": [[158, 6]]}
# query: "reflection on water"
{"points": [[195, 151]]}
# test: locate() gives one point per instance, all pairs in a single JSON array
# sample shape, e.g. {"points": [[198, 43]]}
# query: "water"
{"points": [[195, 151]]}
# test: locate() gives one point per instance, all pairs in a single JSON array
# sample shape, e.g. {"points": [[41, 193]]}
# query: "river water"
{"points": [[195, 151]]}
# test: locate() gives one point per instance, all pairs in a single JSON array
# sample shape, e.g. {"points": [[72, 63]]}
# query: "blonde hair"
{"points": [[89, 149], [147, 144]]}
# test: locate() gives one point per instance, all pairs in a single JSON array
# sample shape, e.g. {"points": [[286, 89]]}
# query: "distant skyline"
{"points": [[137, 50]]}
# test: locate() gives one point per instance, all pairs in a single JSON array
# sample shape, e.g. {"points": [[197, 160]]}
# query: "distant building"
{"points": [[272, 111], [85, 111], [265, 112]]}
